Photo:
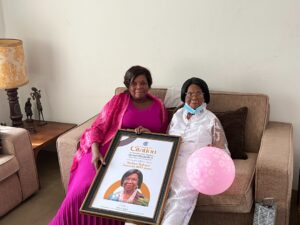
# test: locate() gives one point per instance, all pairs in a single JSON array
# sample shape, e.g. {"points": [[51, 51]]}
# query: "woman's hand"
{"points": [[141, 129], [97, 158]]}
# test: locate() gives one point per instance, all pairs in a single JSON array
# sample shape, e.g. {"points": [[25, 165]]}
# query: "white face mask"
{"points": [[199, 109]]}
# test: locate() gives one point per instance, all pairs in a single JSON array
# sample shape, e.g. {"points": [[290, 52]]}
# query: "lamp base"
{"points": [[15, 110]]}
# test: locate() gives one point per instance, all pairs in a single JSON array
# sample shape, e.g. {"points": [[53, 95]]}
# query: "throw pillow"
{"points": [[172, 110], [234, 123]]}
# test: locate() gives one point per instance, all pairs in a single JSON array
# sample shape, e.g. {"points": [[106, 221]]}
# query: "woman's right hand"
{"points": [[141, 129], [97, 158]]}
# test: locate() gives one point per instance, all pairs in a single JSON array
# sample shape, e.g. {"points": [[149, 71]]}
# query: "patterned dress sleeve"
{"points": [[218, 136]]}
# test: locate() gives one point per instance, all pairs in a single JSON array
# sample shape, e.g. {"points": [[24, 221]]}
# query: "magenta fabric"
{"points": [[134, 117], [108, 122], [109, 117], [83, 173]]}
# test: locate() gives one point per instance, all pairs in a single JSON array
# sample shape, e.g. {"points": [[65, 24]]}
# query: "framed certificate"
{"points": [[133, 186]]}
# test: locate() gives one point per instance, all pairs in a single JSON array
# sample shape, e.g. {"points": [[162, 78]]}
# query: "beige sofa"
{"points": [[267, 172], [18, 174]]}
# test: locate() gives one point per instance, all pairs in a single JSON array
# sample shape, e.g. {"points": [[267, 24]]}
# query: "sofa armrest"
{"points": [[66, 145], [16, 141], [274, 169]]}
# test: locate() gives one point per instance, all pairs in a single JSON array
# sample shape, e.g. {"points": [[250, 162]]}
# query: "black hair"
{"points": [[130, 172], [135, 71], [201, 83]]}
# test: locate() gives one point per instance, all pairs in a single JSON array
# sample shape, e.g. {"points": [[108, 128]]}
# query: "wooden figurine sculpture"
{"points": [[28, 110], [36, 95]]}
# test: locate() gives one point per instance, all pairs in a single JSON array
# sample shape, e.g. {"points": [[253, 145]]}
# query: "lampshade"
{"points": [[12, 65]]}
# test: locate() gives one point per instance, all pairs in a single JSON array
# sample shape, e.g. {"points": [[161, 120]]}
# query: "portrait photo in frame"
{"points": [[141, 162]]}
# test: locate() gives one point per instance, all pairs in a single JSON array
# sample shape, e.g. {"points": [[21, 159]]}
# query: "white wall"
{"points": [[77, 52], [2, 30], [4, 107]]}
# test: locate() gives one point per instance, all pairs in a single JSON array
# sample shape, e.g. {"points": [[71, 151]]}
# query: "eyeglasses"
{"points": [[196, 94]]}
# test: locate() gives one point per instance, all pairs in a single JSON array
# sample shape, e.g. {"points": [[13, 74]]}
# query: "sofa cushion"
{"points": [[239, 197], [171, 112], [8, 166], [234, 123], [257, 117], [11, 194]]}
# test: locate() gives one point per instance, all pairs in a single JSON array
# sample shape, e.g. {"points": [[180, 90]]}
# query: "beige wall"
{"points": [[77, 52], [4, 107], [1, 21]]}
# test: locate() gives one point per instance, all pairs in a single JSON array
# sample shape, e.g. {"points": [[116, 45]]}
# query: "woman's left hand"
{"points": [[141, 129]]}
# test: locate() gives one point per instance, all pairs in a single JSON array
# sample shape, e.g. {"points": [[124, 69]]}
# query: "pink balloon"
{"points": [[210, 170]]}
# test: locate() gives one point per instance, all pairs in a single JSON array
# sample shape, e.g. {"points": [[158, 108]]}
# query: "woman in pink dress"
{"points": [[134, 109]]}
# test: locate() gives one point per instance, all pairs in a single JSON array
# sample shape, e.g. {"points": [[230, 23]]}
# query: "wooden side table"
{"points": [[45, 134]]}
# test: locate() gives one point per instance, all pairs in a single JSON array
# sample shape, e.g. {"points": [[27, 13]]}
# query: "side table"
{"points": [[45, 134]]}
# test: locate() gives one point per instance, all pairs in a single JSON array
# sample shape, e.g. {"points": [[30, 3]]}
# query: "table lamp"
{"points": [[12, 75]]}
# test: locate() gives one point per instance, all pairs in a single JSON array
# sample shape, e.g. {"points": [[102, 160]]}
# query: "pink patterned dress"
{"points": [[126, 115]]}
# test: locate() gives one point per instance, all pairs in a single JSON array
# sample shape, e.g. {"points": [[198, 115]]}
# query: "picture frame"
{"points": [[140, 162]]}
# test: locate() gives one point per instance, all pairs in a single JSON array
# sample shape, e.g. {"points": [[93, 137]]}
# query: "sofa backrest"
{"points": [[258, 111]]}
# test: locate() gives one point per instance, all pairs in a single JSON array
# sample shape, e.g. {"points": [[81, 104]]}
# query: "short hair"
{"points": [[135, 71], [130, 172], [201, 83]]}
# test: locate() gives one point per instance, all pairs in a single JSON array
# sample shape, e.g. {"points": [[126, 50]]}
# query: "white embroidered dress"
{"points": [[200, 130]]}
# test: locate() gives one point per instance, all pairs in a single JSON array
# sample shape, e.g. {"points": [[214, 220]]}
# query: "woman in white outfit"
{"points": [[198, 128]]}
